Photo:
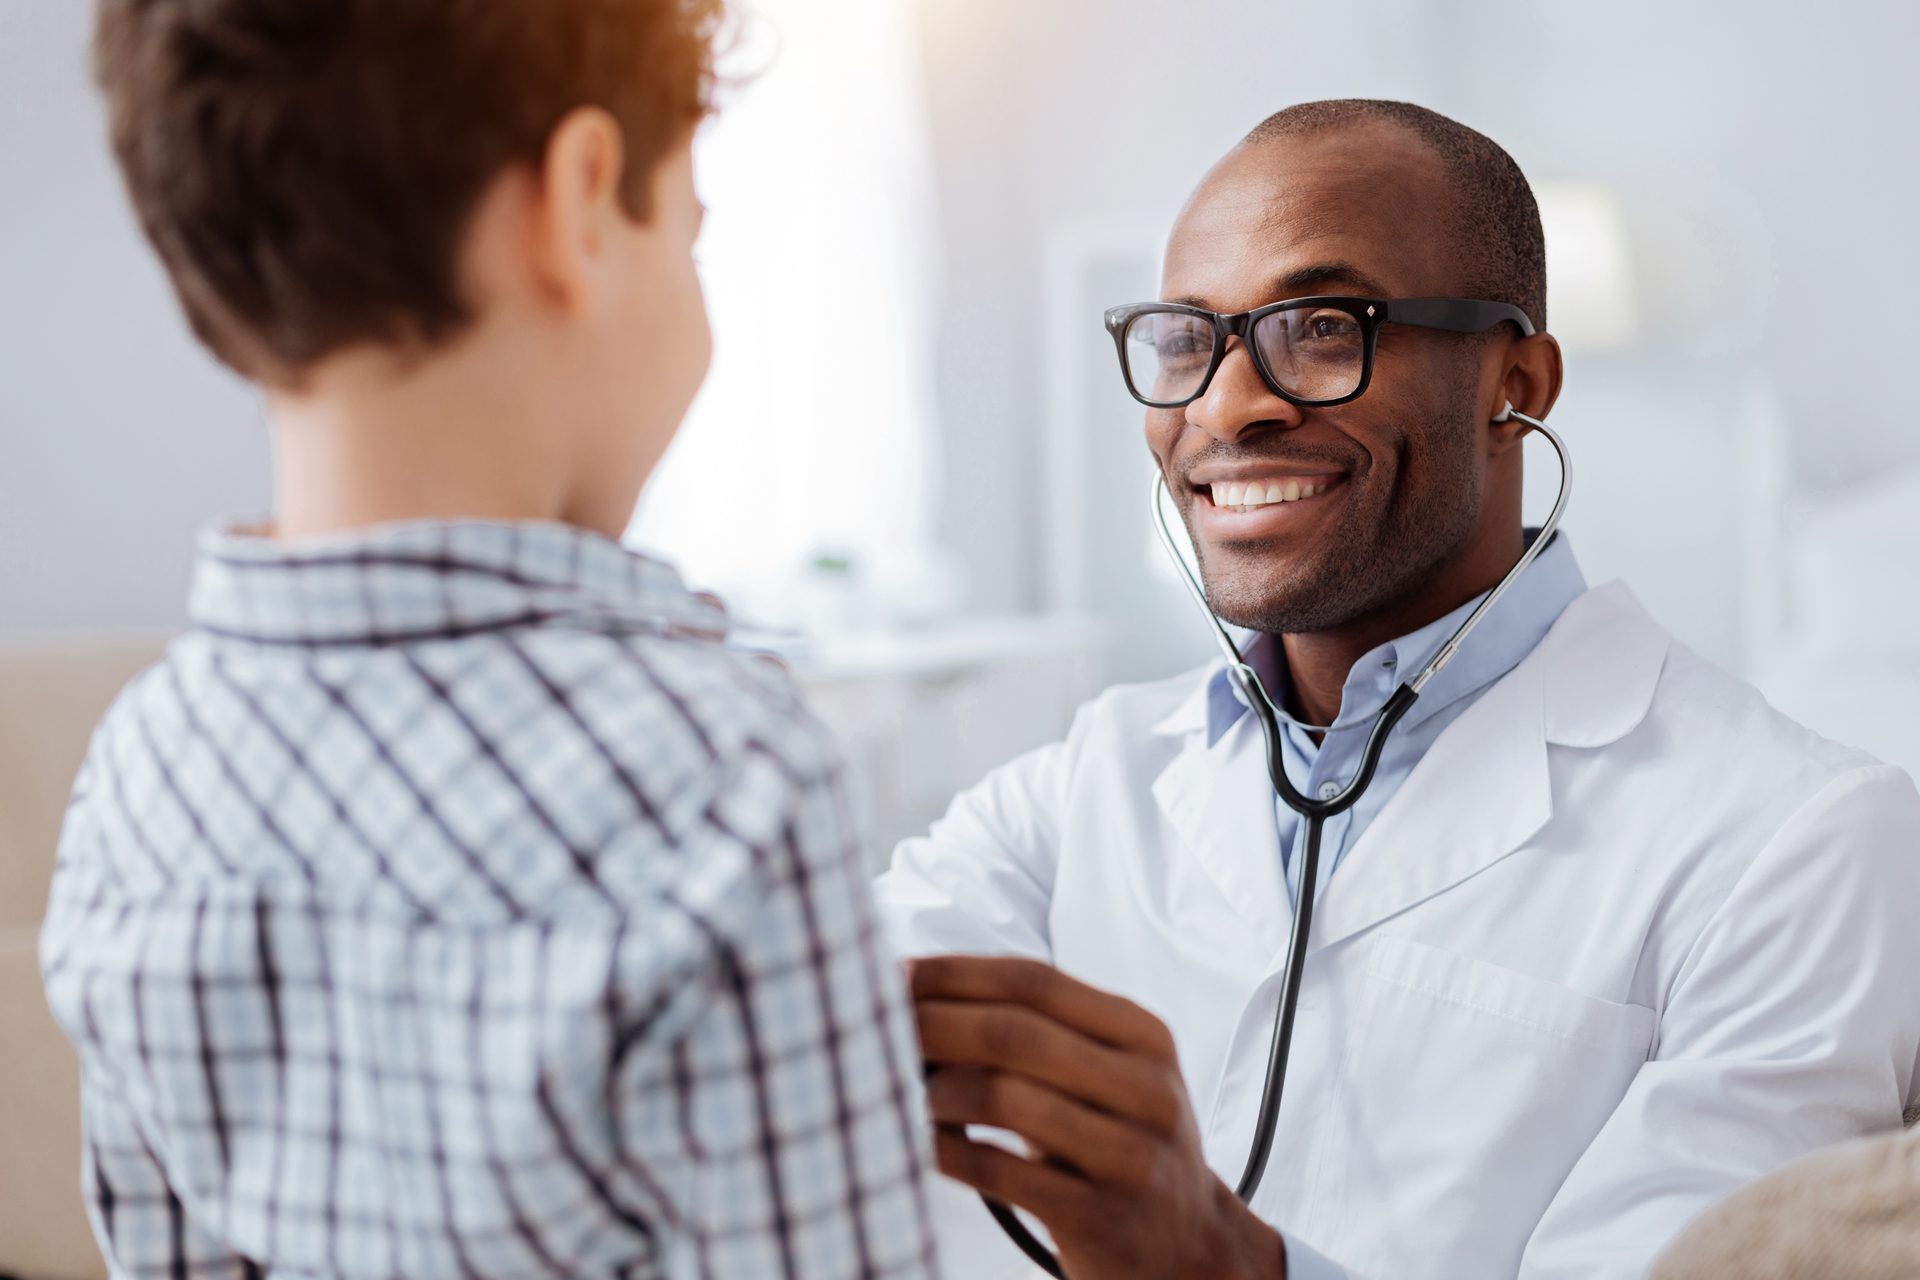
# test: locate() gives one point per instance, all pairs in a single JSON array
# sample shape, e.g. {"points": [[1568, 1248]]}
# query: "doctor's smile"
{"points": [[1227, 504]]}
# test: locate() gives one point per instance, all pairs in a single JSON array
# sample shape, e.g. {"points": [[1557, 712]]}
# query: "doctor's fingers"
{"points": [[1011, 1038], [1064, 1130], [1017, 980], [1062, 1200]]}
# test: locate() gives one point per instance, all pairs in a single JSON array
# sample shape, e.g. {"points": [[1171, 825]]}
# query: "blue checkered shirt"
{"points": [[452, 902]]}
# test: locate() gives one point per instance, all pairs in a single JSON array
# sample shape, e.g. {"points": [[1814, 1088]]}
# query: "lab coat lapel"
{"points": [[1220, 805], [1477, 795], [1484, 788]]}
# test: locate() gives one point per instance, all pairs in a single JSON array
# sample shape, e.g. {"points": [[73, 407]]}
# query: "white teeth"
{"points": [[1240, 496]]}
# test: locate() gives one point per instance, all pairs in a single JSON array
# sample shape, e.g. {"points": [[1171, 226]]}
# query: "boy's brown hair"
{"points": [[307, 169]]}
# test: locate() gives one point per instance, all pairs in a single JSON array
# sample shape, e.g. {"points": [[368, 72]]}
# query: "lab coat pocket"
{"points": [[1474, 1089]]}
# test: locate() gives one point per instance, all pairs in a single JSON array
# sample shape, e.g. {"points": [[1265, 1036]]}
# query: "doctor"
{"points": [[1607, 938]]}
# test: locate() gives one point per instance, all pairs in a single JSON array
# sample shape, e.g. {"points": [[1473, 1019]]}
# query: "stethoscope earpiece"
{"points": [[1505, 414]]}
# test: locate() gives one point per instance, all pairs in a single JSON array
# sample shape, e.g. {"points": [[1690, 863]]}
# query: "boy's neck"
{"points": [[368, 441]]}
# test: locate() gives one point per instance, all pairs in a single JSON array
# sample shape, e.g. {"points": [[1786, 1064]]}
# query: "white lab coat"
{"points": [[1625, 938]]}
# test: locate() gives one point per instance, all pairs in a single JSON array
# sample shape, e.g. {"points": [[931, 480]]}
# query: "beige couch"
{"points": [[51, 695], [1848, 1212]]}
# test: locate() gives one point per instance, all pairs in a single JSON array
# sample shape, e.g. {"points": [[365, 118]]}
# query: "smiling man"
{"points": [[1606, 937]]}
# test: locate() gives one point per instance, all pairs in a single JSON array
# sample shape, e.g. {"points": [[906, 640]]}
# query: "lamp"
{"points": [[1593, 300]]}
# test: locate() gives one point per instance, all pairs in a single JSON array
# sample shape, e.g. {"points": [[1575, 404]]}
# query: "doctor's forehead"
{"points": [[1361, 209]]}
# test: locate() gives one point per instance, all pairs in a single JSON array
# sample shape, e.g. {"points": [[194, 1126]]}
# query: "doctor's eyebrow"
{"points": [[1316, 278], [1309, 280]]}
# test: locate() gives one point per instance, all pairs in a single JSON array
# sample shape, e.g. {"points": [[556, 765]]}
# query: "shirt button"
{"points": [[1328, 790]]}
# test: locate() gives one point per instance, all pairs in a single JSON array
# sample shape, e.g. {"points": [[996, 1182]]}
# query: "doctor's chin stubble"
{"points": [[1412, 501]]}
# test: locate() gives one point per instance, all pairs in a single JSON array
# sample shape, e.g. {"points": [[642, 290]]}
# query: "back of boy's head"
{"points": [[306, 169]]}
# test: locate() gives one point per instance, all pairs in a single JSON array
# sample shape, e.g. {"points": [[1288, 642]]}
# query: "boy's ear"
{"points": [[579, 205]]}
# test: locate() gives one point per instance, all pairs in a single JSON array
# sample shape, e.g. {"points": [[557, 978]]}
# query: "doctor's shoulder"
{"points": [[1136, 727], [1169, 704], [1729, 728], [1114, 747], [1729, 766]]}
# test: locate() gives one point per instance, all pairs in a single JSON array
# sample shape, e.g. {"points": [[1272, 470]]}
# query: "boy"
{"points": [[450, 902]]}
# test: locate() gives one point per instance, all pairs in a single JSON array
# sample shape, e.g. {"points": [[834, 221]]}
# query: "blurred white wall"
{"points": [[118, 437]]}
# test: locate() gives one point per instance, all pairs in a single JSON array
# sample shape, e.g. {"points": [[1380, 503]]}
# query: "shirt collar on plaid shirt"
{"points": [[428, 580]]}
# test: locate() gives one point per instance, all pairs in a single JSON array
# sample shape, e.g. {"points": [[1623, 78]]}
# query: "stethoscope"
{"points": [[1315, 812]]}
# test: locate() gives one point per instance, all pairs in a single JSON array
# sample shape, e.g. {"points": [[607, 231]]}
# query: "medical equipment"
{"points": [[1315, 812]]}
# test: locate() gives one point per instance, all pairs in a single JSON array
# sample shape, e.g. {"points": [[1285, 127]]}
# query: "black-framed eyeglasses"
{"points": [[1310, 351]]}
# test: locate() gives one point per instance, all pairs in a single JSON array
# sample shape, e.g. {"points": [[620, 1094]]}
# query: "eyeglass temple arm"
{"points": [[1460, 315]]}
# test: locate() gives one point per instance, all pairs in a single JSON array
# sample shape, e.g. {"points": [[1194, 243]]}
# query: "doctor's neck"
{"points": [[1318, 662]]}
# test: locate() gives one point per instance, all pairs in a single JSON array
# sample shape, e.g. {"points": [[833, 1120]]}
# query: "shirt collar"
{"points": [[432, 579], [1510, 631]]}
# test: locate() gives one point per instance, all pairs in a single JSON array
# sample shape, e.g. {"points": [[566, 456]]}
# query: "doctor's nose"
{"points": [[1238, 400]]}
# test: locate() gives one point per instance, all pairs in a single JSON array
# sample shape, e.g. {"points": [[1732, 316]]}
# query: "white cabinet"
{"points": [[923, 715]]}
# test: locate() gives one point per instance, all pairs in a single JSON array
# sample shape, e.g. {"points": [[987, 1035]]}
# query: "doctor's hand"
{"points": [[1093, 1085]]}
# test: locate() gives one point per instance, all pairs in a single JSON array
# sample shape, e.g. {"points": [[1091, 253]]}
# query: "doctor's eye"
{"points": [[1324, 326], [1184, 346], [1173, 339]]}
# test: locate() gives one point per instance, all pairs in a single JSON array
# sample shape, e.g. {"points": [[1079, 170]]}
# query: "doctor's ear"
{"points": [[1530, 374]]}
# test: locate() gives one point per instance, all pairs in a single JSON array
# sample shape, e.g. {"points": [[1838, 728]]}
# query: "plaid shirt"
{"points": [[451, 902]]}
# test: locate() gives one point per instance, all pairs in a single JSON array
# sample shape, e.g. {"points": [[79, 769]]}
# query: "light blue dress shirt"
{"points": [[1505, 636]]}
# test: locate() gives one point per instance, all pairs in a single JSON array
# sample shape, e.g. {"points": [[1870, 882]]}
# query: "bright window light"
{"points": [[809, 443]]}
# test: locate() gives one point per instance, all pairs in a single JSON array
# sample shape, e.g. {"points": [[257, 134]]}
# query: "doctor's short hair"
{"points": [[306, 169], [1496, 220]]}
